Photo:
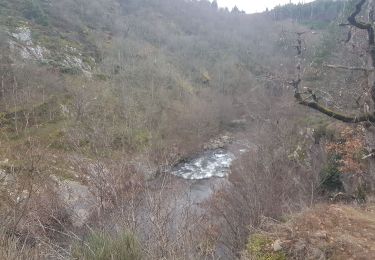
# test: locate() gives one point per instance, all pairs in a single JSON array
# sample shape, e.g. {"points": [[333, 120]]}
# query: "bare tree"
{"points": [[310, 99]]}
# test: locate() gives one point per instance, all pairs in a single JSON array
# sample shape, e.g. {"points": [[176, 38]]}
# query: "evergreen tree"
{"points": [[215, 5], [235, 9]]}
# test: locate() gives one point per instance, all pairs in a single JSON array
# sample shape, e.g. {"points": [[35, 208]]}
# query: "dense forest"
{"points": [[174, 129]]}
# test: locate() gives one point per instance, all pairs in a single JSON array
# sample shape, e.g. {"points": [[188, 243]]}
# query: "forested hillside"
{"points": [[169, 129], [179, 50]]}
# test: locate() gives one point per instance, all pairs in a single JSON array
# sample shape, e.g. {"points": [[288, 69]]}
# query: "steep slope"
{"points": [[181, 56], [323, 232], [100, 98]]}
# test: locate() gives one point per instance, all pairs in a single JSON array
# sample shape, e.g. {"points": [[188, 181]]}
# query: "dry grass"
{"points": [[12, 249], [326, 231]]}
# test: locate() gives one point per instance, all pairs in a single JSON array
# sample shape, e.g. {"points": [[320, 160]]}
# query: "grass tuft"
{"points": [[102, 246]]}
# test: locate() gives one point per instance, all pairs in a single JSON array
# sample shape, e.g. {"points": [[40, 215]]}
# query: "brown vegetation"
{"points": [[128, 88], [325, 231], [310, 98], [268, 182]]}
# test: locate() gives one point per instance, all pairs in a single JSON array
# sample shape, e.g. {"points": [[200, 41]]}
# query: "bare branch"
{"points": [[312, 101], [336, 115], [332, 66], [352, 18], [349, 37], [364, 26]]}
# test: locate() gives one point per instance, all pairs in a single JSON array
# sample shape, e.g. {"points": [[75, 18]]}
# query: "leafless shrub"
{"points": [[13, 249], [115, 184], [160, 215], [171, 222], [272, 181], [32, 214]]}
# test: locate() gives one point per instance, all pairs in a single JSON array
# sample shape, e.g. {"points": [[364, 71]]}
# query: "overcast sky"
{"points": [[252, 6]]}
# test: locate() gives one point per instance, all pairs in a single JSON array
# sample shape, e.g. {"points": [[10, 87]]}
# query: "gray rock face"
{"points": [[321, 234], [238, 123], [317, 254], [277, 246], [78, 200], [23, 34], [22, 45]]}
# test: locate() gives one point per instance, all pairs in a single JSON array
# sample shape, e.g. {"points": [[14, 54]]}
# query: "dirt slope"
{"points": [[324, 232]]}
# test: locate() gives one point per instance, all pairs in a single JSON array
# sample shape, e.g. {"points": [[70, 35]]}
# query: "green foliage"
{"points": [[55, 42], [260, 247], [325, 50], [349, 8], [13, 248], [35, 12], [57, 140], [142, 137], [102, 246], [102, 77], [317, 25], [3, 119], [214, 5], [330, 176], [361, 194], [12, 22], [135, 139], [322, 11], [322, 131], [70, 70], [151, 84]]}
